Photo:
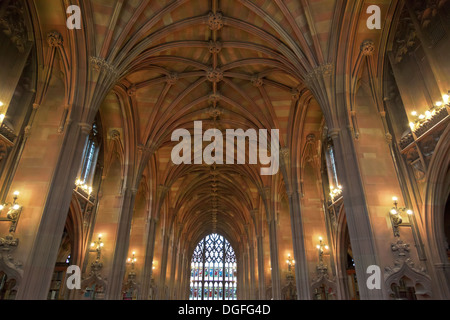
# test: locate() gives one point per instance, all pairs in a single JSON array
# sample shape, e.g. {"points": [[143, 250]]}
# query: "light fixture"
{"points": [[396, 218], [97, 246], [13, 213], [446, 98], [132, 260], [80, 184], [2, 117], [439, 104], [1, 104], [321, 246], [414, 113], [335, 192]]}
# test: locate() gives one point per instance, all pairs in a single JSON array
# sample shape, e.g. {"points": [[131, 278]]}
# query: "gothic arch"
{"points": [[436, 194]]}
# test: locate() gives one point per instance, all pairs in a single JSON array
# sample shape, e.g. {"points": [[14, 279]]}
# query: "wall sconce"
{"points": [[290, 262], [396, 218], [132, 260], [320, 247], [97, 246], [13, 213]]}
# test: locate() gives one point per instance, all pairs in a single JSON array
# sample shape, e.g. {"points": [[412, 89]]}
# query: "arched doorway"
{"points": [[213, 270]]}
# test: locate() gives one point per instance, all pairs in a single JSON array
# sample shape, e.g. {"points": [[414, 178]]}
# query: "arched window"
{"points": [[213, 270], [331, 166], [90, 155]]}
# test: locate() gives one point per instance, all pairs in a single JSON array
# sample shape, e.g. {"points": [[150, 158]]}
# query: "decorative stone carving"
{"points": [[257, 81], [131, 91], [214, 112], [172, 78], [215, 21], [214, 47], [214, 97], [214, 75], [55, 39], [3, 150], [320, 71], [367, 48], [114, 134], [404, 267], [12, 24], [162, 190], [100, 64], [295, 94], [400, 249], [405, 38]]}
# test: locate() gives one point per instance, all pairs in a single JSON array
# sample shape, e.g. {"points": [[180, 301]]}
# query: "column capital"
{"points": [[334, 133], [85, 127]]}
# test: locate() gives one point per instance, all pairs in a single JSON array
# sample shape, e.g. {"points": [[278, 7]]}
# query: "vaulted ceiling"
{"points": [[229, 63], [232, 64]]}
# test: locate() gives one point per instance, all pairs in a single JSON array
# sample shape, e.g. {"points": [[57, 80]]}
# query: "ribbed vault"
{"points": [[230, 64]]}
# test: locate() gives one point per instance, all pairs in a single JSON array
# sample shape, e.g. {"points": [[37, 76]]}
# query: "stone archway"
{"points": [[436, 196]]}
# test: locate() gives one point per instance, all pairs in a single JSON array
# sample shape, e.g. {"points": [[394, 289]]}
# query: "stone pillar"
{"points": [[180, 275], [148, 267], [262, 283], [41, 261], [162, 278], [301, 264], [173, 266], [276, 281], [252, 286], [122, 245], [358, 220], [245, 278], [186, 282]]}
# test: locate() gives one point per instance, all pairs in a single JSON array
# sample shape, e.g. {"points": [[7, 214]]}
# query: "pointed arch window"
{"points": [[90, 155], [331, 166], [213, 270]]}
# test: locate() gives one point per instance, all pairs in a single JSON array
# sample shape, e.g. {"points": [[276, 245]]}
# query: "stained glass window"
{"points": [[213, 270]]}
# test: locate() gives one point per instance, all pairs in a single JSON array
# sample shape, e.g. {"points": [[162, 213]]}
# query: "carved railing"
{"points": [[419, 145]]}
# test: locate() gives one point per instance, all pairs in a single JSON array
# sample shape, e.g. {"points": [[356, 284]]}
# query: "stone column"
{"points": [[180, 275], [245, 264], [357, 213], [162, 278], [262, 283], [186, 282], [276, 281], [122, 245], [173, 266], [301, 265], [41, 261], [252, 286], [148, 267]]}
